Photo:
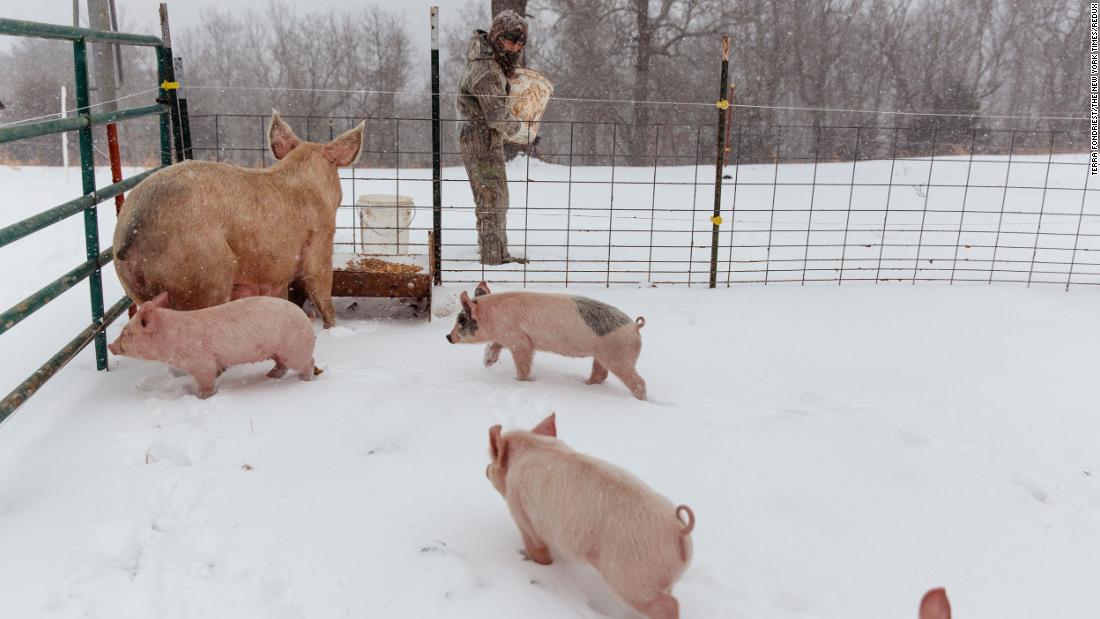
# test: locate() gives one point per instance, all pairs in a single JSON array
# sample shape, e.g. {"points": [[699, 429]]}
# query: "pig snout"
{"points": [[115, 347], [449, 339]]}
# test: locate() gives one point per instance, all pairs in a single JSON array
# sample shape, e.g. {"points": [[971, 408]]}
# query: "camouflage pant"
{"points": [[483, 154]]}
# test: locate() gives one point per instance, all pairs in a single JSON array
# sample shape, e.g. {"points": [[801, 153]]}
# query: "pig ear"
{"points": [[482, 289], [494, 440], [934, 605], [148, 318], [469, 305], [344, 150], [497, 447], [280, 137], [547, 427]]}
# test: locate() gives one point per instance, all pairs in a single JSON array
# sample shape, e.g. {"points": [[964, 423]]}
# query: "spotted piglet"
{"points": [[568, 504], [524, 322]]}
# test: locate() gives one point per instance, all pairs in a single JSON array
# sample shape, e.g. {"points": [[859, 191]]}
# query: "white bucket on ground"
{"points": [[384, 220], [528, 94]]}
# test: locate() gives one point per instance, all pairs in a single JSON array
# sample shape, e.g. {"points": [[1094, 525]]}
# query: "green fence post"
{"points": [[170, 92], [165, 130], [91, 219]]}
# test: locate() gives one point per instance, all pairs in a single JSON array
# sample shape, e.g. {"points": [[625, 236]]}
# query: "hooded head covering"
{"points": [[509, 25]]}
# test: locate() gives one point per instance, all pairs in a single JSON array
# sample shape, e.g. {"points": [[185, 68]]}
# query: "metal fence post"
{"points": [[437, 156], [169, 85], [165, 129], [185, 117], [91, 219], [720, 160]]}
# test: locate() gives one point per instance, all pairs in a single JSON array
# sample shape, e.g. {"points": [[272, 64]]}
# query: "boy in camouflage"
{"points": [[491, 58]]}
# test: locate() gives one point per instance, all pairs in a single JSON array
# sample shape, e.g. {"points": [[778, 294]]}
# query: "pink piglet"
{"points": [[573, 505], [205, 342]]}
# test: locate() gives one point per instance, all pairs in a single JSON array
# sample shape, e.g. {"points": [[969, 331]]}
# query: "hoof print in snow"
{"points": [[435, 547]]}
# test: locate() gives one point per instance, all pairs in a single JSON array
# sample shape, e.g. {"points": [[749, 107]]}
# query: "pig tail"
{"points": [[640, 321], [689, 522]]}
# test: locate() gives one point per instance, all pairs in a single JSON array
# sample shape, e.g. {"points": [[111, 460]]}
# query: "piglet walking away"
{"points": [[524, 322], [570, 504], [205, 342], [934, 605]]}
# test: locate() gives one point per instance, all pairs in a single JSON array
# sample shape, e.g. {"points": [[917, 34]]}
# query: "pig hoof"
{"points": [[277, 372], [526, 379], [542, 558], [206, 394]]}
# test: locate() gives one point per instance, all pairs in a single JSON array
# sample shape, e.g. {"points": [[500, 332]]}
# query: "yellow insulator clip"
{"points": [[169, 85], [716, 220], [722, 104]]}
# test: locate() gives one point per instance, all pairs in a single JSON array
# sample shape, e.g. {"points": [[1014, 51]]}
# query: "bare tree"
{"points": [[519, 6], [312, 65]]}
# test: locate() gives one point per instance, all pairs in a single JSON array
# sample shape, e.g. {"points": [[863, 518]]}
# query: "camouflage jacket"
{"points": [[483, 89]]}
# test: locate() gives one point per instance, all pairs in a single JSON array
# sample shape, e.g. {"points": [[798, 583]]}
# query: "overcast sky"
{"points": [[142, 14]]}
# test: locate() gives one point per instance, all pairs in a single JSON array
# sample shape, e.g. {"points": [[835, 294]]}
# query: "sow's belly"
{"points": [[248, 289]]}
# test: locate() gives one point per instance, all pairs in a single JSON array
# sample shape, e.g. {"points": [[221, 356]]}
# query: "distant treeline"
{"points": [[967, 62]]}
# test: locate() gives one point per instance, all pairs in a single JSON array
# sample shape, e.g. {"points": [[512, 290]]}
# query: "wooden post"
{"points": [[720, 160]]}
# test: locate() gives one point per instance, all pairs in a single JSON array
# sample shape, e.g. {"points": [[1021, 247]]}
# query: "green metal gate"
{"points": [[96, 259]]}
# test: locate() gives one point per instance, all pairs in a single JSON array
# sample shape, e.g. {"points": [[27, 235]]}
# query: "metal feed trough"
{"points": [[401, 276], [393, 276]]}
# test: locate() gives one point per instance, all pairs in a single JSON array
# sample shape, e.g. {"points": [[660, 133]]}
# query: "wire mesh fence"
{"points": [[620, 204]]}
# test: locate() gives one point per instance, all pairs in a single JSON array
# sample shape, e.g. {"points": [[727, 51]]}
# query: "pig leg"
{"points": [[523, 355], [323, 302], [280, 368], [664, 607], [492, 354], [206, 377], [599, 373], [536, 550], [631, 379], [306, 371], [317, 281], [207, 286]]}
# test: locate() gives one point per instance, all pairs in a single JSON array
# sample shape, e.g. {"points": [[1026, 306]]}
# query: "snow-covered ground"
{"points": [[844, 449]]}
